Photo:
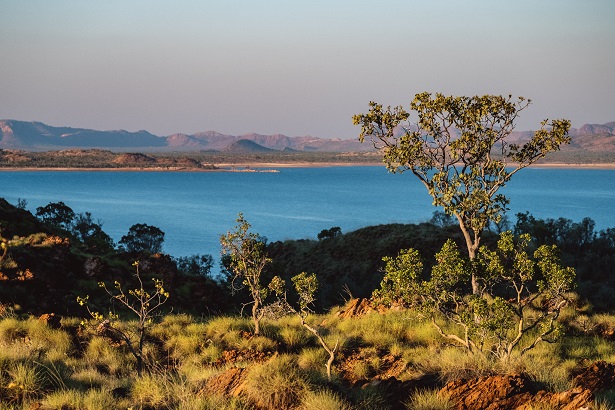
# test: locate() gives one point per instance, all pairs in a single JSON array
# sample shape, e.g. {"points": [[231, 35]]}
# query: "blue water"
{"points": [[195, 208]]}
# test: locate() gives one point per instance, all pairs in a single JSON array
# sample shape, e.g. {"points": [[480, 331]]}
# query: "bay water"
{"points": [[195, 208]]}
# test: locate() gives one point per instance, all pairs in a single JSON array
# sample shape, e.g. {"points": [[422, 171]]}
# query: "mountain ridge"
{"points": [[37, 136]]}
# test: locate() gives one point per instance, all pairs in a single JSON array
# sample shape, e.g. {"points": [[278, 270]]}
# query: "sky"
{"points": [[297, 67]]}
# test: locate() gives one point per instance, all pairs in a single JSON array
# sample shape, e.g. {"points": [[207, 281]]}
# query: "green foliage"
{"points": [[305, 286], [247, 260], [143, 238], [56, 214], [459, 151], [90, 233], [323, 400], [429, 400], [442, 219], [402, 274], [519, 297], [195, 265], [26, 382], [349, 265]]}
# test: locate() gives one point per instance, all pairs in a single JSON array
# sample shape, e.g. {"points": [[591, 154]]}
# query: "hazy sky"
{"points": [[296, 67]]}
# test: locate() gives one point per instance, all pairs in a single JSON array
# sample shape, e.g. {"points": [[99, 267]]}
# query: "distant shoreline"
{"points": [[266, 166]]}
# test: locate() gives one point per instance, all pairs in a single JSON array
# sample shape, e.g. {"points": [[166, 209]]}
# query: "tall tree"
{"points": [[461, 151]]}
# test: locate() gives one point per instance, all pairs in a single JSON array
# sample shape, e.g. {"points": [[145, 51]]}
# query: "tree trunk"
{"points": [[472, 245], [255, 317]]}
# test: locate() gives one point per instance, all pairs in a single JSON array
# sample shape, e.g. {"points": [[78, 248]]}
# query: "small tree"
{"points": [[518, 296], [460, 150], [247, 258], [306, 286], [90, 233], [143, 238], [57, 214], [141, 302]]}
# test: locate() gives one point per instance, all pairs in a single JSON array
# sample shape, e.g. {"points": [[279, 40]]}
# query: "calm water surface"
{"points": [[195, 208]]}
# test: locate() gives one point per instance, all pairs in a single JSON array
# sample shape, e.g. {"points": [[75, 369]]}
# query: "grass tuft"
{"points": [[323, 400], [429, 400], [276, 384]]}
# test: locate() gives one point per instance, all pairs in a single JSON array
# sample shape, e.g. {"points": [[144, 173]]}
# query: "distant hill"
{"points": [[247, 146], [36, 136]]}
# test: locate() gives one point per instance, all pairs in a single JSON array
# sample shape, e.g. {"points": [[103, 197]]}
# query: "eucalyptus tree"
{"points": [[461, 150]]}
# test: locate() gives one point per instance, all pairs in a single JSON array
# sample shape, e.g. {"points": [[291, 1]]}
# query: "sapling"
{"points": [[306, 286], [247, 258], [141, 302]]}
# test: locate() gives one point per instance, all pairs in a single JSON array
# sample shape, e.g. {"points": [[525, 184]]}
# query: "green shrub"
{"points": [[258, 343], [369, 398], [11, 331], [64, 399]]}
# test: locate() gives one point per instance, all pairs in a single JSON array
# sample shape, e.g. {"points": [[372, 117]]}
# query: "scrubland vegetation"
{"points": [[198, 352], [463, 311], [73, 367]]}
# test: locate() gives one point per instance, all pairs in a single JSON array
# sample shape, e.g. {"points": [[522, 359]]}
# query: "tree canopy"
{"points": [[460, 149], [143, 238]]}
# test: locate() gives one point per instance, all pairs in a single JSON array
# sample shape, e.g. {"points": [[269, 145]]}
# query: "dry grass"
{"points": [[276, 384], [41, 364]]}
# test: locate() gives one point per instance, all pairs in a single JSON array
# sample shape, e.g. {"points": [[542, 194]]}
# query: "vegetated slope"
{"points": [[95, 158], [46, 268], [246, 146], [351, 262]]}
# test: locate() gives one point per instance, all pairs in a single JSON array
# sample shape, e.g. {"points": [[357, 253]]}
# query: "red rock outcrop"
{"points": [[508, 392], [227, 383], [599, 376], [355, 308]]}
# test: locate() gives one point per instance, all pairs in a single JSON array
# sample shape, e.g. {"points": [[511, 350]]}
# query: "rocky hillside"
{"points": [[36, 136], [39, 136]]}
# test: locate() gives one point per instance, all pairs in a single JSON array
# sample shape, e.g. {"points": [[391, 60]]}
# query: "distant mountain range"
{"points": [[36, 136]]}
